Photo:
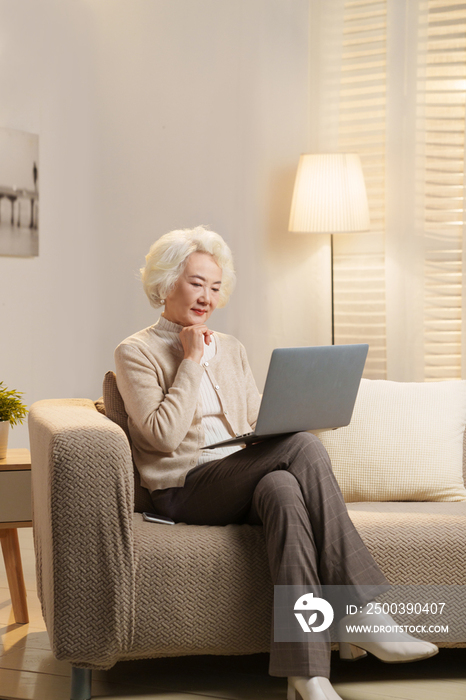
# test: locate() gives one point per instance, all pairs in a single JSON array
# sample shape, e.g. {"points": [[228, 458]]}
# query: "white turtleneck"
{"points": [[213, 420]]}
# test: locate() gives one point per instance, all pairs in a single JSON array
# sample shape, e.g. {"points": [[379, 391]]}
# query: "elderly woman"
{"points": [[185, 386]]}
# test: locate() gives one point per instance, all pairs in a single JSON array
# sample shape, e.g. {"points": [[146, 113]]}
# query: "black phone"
{"points": [[154, 518]]}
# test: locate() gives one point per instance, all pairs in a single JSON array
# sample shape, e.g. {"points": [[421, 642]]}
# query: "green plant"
{"points": [[12, 408]]}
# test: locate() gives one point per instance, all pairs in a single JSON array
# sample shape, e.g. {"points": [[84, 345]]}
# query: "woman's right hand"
{"points": [[193, 339]]}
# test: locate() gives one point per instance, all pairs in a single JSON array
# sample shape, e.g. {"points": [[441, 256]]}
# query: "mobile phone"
{"points": [[154, 518]]}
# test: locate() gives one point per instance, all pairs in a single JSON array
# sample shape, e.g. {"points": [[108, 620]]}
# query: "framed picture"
{"points": [[19, 193]]}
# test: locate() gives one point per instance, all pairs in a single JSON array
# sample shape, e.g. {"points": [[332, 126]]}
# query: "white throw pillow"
{"points": [[404, 443]]}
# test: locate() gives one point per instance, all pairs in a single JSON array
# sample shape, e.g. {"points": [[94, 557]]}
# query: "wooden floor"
{"points": [[29, 671]]}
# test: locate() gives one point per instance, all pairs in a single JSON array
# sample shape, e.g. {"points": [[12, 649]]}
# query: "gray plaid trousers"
{"points": [[287, 485]]}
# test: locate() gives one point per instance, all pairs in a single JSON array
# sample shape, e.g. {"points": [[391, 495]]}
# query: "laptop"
{"points": [[310, 388]]}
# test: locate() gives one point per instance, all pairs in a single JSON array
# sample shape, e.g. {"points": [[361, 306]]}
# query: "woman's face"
{"points": [[196, 292]]}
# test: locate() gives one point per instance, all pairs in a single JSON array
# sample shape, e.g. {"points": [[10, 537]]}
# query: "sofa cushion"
{"points": [[198, 588], [415, 543], [404, 443]]}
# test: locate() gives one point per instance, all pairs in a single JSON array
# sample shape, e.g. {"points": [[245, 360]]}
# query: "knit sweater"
{"points": [[161, 392], [214, 423]]}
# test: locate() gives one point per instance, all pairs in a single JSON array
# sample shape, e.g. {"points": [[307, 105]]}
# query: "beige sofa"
{"points": [[114, 587]]}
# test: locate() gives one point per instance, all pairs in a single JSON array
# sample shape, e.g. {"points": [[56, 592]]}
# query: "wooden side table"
{"points": [[15, 511]]}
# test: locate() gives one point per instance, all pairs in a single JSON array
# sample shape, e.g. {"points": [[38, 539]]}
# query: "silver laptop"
{"points": [[307, 389]]}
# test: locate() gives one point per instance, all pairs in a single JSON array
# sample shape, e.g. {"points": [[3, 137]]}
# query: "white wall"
{"points": [[48, 308], [153, 115]]}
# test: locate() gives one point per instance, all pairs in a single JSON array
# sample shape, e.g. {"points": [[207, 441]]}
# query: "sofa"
{"points": [[114, 587]]}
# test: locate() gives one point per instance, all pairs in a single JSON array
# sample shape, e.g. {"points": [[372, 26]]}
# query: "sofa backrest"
{"points": [[115, 410], [464, 457]]}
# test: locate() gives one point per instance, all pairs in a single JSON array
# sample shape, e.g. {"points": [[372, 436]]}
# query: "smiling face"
{"points": [[196, 293]]}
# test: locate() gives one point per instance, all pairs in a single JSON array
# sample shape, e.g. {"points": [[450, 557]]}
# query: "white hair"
{"points": [[169, 255]]}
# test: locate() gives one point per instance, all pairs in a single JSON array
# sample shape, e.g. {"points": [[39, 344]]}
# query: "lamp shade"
{"points": [[329, 195]]}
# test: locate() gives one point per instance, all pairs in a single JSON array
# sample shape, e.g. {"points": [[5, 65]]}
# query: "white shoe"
{"points": [[315, 688], [405, 649]]}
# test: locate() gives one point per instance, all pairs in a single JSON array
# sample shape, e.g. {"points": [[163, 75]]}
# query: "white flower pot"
{"points": [[4, 426]]}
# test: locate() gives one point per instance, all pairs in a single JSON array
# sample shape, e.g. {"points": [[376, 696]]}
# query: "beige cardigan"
{"points": [[161, 394]]}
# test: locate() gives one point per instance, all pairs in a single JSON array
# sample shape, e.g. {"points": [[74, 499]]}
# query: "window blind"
{"points": [[438, 173], [359, 266], [440, 137]]}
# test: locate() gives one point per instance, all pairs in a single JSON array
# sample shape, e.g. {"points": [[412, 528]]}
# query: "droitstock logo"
{"points": [[312, 604], [308, 613]]}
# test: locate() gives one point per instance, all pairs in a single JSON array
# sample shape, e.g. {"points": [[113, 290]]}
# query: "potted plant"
{"points": [[12, 411]]}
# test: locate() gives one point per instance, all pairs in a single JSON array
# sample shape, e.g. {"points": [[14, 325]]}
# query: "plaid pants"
{"points": [[287, 485]]}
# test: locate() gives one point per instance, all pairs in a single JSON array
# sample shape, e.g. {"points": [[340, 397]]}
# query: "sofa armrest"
{"points": [[82, 493]]}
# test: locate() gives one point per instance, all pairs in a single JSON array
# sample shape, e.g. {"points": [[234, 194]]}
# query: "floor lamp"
{"points": [[329, 197]]}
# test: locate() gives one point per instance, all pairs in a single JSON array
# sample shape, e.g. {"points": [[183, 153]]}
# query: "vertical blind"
{"points": [[360, 278]]}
